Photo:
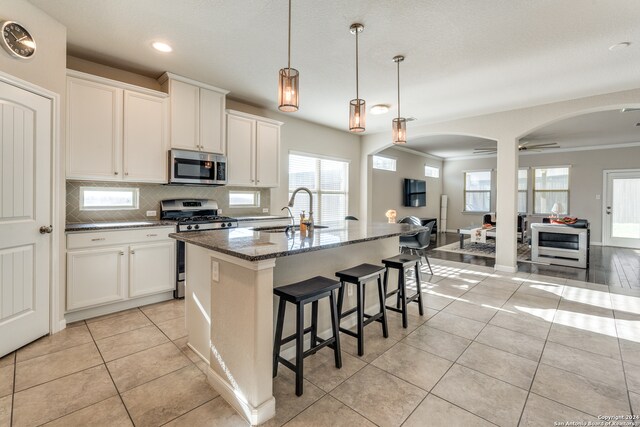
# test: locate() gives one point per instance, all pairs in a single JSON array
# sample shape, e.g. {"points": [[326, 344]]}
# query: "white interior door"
{"points": [[622, 209], [25, 206]]}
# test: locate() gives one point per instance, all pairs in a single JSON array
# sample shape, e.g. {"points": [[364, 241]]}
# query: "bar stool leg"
{"points": [[340, 299], [299, 347], [403, 283], [419, 288], [385, 283], [360, 326], [385, 329], [336, 331], [278, 338], [314, 324]]}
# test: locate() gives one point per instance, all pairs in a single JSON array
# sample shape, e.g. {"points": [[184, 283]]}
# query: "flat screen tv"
{"points": [[415, 192]]}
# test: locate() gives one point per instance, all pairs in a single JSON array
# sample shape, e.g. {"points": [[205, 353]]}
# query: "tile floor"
{"points": [[492, 349]]}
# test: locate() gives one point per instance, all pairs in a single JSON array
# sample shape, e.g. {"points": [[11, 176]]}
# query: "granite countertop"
{"points": [[261, 217], [102, 226], [254, 245]]}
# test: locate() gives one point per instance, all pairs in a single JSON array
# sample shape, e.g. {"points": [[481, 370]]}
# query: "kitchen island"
{"points": [[230, 304]]}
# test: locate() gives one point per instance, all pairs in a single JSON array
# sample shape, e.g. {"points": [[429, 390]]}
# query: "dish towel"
{"points": [[479, 235]]}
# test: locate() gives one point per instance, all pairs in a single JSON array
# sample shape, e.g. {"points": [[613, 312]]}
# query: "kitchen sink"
{"points": [[281, 229]]}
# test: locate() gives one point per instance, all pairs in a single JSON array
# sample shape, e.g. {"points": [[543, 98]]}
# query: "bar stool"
{"points": [[358, 276], [401, 263], [301, 293]]}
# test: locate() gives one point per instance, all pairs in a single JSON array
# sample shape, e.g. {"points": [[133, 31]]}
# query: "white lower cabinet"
{"points": [[114, 266], [149, 271]]}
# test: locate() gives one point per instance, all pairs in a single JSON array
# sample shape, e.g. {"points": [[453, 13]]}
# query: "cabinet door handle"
{"points": [[126, 173], [121, 253], [133, 252], [115, 173], [257, 180], [98, 239], [151, 235]]}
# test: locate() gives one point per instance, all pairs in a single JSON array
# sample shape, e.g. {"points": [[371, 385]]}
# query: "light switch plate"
{"points": [[215, 271], [151, 213]]}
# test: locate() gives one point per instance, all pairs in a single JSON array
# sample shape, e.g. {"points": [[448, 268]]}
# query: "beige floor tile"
{"points": [[447, 287], [487, 397], [52, 400], [108, 413], [182, 345], [540, 279], [626, 303], [437, 342], [503, 282], [215, 413], [379, 396], [6, 380], [321, 369], [513, 342], [593, 342], [175, 394], [435, 302], [7, 360], [55, 365], [551, 291], [630, 351], [540, 307], [584, 308], [584, 394], [329, 412], [435, 412], [118, 324], [598, 368], [632, 372], [518, 322], [163, 311], [126, 343], [68, 337], [456, 325], [591, 297], [111, 315], [499, 364], [374, 344], [544, 412], [138, 368], [174, 328], [5, 410], [494, 289], [413, 365], [635, 402], [414, 321], [288, 405], [481, 312], [628, 326]]}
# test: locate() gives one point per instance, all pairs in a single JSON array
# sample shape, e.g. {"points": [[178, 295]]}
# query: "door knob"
{"points": [[46, 229]]}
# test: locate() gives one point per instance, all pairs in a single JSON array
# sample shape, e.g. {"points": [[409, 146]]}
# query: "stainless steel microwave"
{"points": [[197, 168]]}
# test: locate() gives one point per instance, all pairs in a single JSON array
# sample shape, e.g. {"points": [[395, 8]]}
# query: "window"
{"points": [[477, 191], [384, 163], [523, 175], [550, 186], [244, 199], [431, 172], [102, 199], [328, 181]]}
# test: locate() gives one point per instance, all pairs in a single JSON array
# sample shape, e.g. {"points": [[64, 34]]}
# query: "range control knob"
{"points": [[189, 227], [229, 225], [196, 226], [223, 225]]}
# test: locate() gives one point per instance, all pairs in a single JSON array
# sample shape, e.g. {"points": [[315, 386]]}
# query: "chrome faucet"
{"points": [[292, 199], [293, 220]]}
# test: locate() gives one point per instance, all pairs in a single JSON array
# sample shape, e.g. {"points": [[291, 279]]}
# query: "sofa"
{"points": [[561, 244]]}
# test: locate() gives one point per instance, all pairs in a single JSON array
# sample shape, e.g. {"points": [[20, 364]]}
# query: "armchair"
{"points": [[419, 241], [522, 229]]}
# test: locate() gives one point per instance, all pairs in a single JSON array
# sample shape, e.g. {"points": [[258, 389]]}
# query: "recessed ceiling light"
{"points": [[619, 46], [162, 47], [380, 109]]}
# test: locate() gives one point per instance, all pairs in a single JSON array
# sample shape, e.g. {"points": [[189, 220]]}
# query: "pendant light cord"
{"points": [[289, 51], [357, 92], [398, 62]]}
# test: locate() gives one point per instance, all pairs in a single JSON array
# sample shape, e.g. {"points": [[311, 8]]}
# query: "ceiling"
{"points": [[463, 57]]}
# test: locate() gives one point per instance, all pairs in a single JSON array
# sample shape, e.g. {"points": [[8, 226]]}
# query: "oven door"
{"points": [[195, 167]]}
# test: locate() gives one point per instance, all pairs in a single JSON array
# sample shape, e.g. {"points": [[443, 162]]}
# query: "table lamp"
{"points": [[557, 208]]}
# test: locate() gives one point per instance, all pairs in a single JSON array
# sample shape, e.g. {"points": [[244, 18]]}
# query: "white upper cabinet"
{"points": [[196, 114], [253, 150], [115, 131]]}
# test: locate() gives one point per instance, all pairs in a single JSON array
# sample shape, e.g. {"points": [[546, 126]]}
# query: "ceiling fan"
{"points": [[523, 146]]}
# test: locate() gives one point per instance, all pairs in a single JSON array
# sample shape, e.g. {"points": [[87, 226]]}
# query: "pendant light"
{"points": [[288, 81], [357, 107], [399, 124]]}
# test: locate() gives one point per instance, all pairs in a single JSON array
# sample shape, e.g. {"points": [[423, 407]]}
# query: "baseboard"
{"points": [[505, 268], [62, 324], [255, 415], [201, 356], [88, 313], [596, 243]]}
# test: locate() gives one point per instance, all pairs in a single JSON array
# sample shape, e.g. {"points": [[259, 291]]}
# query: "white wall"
{"points": [[585, 182], [388, 190]]}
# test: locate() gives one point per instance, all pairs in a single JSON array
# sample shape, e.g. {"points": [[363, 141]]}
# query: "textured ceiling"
{"points": [[463, 57]]}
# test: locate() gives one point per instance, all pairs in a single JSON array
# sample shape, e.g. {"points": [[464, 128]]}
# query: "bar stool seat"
{"points": [[358, 276], [401, 262], [301, 293]]}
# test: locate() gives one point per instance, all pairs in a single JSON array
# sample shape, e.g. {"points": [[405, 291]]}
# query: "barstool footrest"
{"points": [[348, 312], [293, 336]]}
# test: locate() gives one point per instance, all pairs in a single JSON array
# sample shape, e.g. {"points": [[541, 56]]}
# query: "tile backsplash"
{"points": [[150, 197]]}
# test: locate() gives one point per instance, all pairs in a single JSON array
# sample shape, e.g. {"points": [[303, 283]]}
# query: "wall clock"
{"points": [[17, 41]]}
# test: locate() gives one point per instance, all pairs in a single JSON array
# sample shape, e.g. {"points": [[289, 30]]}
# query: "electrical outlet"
{"points": [[215, 271], [597, 197], [219, 211], [265, 210], [151, 213]]}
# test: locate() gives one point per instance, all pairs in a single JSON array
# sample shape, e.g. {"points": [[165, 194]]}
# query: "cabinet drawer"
{"points": [[117, 237]]}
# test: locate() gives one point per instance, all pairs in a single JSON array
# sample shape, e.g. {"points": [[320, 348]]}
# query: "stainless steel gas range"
{"points": [[192, 215]]}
